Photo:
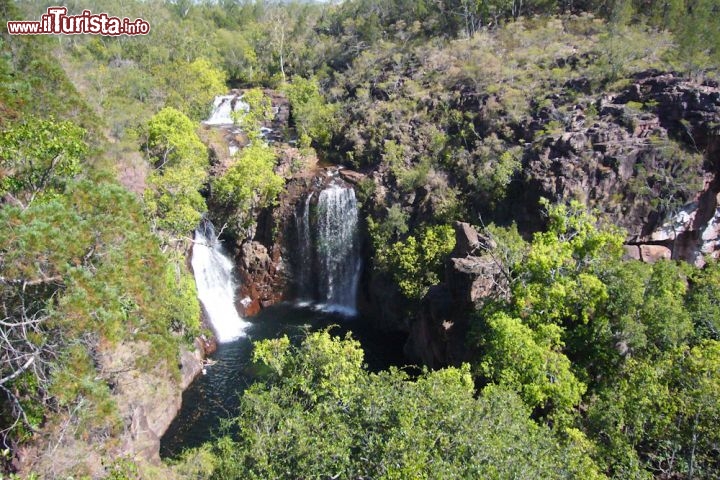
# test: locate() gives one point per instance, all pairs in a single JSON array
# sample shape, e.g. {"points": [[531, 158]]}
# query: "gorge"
{"points": [[225, 241], [325, 264], [313, 263]]}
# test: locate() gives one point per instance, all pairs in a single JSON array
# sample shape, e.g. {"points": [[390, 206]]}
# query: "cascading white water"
{"points": [[215, 284], [223, 106], [338, 248]]}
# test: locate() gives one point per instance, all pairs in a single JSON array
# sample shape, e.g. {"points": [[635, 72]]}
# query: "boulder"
{"points": [[653, 253], [468, 241], [351, 176], [472, 279], [632, 252]]}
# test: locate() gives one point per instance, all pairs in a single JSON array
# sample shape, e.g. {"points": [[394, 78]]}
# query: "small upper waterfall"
{"points": [[215, 284], [223, 106], [327, 261]]}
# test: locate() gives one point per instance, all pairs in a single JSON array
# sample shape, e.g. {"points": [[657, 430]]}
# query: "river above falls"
{"points": [[215, 395]]}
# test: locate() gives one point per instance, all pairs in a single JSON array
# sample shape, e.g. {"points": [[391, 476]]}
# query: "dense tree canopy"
{"points": [[320, 414], [180, 163]]}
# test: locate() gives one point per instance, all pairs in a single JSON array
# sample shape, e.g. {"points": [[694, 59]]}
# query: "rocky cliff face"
{"points": [[147, 400], [647, 157], [437, 337]]}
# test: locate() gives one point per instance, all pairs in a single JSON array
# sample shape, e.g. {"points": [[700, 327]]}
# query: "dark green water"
{"points": [[216, 395]]}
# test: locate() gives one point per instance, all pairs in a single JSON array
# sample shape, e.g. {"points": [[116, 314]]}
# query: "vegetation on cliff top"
{"points": [[81, 271]]}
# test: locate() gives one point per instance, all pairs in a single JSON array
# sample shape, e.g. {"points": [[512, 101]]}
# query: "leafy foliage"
{"points": [[194, 85], [80, 268], [582, 327], [415, 263], [444, 101], [39, 157], [320, 413], [532, 363], [259, 111], [313, 116], [181, 165], [249, 185]]}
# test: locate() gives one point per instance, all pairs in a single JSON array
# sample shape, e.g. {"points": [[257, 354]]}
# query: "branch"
{"points": [[30, 283], [18, 372], [217, 237]]}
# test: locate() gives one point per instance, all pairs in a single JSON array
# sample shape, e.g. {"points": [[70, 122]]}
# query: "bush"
{"points": [[415, 263], [249, 185], [181, 162], [320, 414]]}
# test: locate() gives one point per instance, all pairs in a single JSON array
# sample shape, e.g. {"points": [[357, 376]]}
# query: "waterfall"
{"points": [[303, 275], [223, 106], [215, 284], [338, 249]]}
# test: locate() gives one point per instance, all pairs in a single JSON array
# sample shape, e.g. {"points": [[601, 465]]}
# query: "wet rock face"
{"points": [[632, 158], [261, 278]]}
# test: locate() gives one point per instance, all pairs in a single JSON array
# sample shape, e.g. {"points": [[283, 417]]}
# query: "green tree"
{"points": [[415, 263], [660, 415], [697, 380], [181, 164], [38, 157], [319, 413], [557, 281], [667, 323], [531, 363], [80, 270], [698, 40], [193, 86], [249, 185], [312, 115], [259, 112], [704, 300]]}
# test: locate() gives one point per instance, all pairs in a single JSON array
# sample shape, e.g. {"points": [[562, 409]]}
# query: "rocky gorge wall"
{"points": [[147, 401], [647, 157]]}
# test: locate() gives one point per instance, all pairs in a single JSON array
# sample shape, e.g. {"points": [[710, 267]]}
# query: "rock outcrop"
{"points": [[647, 157], [437, 337], [261, 277], [147, 399]]}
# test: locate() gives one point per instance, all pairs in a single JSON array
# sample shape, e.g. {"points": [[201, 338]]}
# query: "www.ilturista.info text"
{"points": [[57, 21]]}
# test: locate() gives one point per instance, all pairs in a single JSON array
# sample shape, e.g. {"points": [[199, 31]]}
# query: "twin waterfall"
{"points": [[215, 284], [338, 248], [327, 265], [328, 251]]}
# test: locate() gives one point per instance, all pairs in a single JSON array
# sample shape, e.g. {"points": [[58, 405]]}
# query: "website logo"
{"points": [[57, 22]]}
